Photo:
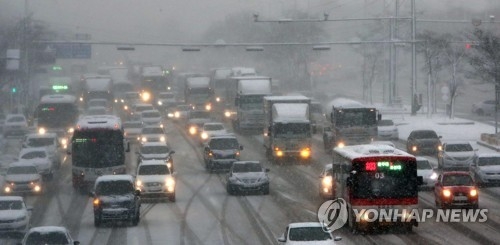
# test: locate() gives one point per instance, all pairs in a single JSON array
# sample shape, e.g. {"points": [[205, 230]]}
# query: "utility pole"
{"points": [[413, 60]]}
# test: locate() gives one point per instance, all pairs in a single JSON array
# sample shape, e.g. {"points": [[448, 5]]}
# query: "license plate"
{"points": [[460, 198]]}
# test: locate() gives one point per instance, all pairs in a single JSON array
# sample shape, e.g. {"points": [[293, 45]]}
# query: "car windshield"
{"points": [[247, 167], [166, 96], [11, 205], [150, 114], [144, 108], [16, 119], [40, 238], [152, 131], [458, 147], [309, 234], [183, 108], [115, 187], [34, 154], [160, 169], [425, 135], [223, 144], [385, 123], [39, 142], [132, 95], [423, 164], [213, 127], [489, 161], [22, 170], [457, 180], [97, 103], [156, 149], [199, 114]]}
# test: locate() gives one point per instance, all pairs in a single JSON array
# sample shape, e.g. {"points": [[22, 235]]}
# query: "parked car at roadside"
{"points": [[485, 107]]}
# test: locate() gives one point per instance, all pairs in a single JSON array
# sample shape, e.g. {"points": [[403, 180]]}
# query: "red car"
{"points": [[456, 189]]}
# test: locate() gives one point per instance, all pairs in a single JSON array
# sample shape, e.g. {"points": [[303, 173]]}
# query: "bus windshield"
{"points": [[385, 183], [56, 115], [98, 148]]}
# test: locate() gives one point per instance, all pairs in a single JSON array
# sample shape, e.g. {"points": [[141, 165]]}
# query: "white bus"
{"points": [[98, 148]]}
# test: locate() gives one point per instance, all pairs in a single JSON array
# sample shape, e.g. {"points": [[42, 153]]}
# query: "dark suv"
{"points": [[221, 151], [115, 198], [423, 141]]}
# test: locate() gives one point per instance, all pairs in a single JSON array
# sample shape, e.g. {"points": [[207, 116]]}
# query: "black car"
{"points": [[221, 151], [423, 141], [116, 198]]}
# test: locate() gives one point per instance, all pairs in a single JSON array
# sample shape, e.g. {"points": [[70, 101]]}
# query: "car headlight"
{"points": [[433, 176], [71, 130], [169, 182], [204, 135], [116, 100], [440, 147], [414, 148], [208, 107], [227, 114], [125, 107], [42, 131], [192, 130], [177, 114], [473, 193], [96, 202], [446, 193], [170, 115], [138, 183], [162, 138], [217, 99], [341, 144], [160, 103], [7, 189], [144, 139], [64, 141]]}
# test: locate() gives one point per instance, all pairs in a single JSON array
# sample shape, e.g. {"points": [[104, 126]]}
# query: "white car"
{"points": [[15, 124], [97, 110], [40, 158], [132, 129], [307, 233], [15, 216], [152, 117], [99, 103], [387, 130], [154, 179], [22, 177], [428, 173], [166, 99], [47, 140], [485, 107], [211, 129], [486, 168], [155, 150], [138, 108], [152, 134], [48, 235], [456, 155]]}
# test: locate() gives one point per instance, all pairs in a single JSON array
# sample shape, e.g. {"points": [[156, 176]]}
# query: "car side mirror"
{"points": [[241, 147], [92, 194], [420, 180], [207, 148], [172, 152], [76, 243], [137, 192], [281, 239], [268, 170]]}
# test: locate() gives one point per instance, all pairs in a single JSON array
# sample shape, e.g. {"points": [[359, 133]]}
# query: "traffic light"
{"points": [[56, 68], [14, 90]]}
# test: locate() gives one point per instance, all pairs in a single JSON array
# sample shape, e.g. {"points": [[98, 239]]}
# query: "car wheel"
{"points": [[97, 221]]}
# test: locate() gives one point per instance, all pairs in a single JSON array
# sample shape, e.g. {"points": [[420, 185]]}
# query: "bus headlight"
{"points": [[192, 130], [71, 130], [42, 131], [177, 114], [208, 107], [64, 141], [327, 181], [305, 153], [227, 114], [414, 148], [341, 145]]}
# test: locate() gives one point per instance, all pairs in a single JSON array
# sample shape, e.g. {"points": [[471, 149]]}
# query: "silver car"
{"points": [[15, 124], [486, 168], [485, 107], [14, 215], [246, 176], [456, 154]]}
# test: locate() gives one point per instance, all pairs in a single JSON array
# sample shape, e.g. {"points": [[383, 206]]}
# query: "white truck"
{"points": [[247, 92], [198, 93], [287, 129], [98, 88]]}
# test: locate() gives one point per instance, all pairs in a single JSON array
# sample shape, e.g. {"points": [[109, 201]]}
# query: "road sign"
{"points": [[72, 50]]}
